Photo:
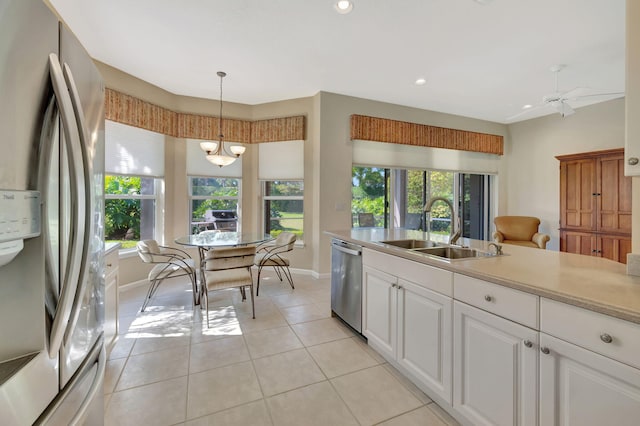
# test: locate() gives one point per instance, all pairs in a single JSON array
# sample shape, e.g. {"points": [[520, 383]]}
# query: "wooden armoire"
{"points": [[595, 204]]}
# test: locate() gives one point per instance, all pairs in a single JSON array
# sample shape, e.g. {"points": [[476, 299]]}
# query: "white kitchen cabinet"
{"points": [[411, 325], [495, 369], [580, 387], [110, 298], [379, 310], [424, 336]]}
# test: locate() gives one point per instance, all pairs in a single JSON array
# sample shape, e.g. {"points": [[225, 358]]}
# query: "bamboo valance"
{"points": [[132, 111], [401, 132]]}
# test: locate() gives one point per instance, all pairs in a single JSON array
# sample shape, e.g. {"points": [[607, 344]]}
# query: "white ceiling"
{"points": [[480, 60]]}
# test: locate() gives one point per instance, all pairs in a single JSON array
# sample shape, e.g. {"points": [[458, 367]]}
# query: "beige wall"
{"points": [[532, 186]]}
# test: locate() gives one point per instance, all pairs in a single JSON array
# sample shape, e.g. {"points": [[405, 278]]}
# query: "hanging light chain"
{"points": [[221, 74]]}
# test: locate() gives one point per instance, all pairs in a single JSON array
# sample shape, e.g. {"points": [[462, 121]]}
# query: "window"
{"points": [[214, 203], [370, 194], [130, 209], [283, 202], [397, 197]]}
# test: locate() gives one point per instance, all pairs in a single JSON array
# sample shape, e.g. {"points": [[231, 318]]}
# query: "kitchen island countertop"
{"points": [[593, 283]]}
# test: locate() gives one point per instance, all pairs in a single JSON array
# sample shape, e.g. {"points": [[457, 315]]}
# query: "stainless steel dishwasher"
{"points": [[346, 282]]}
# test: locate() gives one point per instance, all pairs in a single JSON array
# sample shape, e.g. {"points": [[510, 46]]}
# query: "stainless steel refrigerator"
{"points": [[52, 356]]}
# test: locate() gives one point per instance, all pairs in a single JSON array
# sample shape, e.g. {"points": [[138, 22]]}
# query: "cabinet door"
{"points": [[379, 310], [578, 242], [425, 336], [577, 194], [614, 247], [614, 195], [495, 369], [579, 387]]}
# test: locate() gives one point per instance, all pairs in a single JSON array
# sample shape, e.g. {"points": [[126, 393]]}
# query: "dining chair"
{"points": [[228, 267], [169, 262], [270, 254]]}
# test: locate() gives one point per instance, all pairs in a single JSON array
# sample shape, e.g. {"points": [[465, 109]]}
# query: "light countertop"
{"points": [[109, 247], [593, 283]]}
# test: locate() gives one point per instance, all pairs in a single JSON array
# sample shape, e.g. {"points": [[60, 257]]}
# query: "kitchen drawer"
{"points": [[592, 330], [506, 302], [426, 276]]}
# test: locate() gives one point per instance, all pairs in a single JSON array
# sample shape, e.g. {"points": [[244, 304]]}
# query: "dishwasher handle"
{"points": [[346, 250]]}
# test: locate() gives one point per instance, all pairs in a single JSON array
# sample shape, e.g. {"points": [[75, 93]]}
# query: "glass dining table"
{"points": [[206, 241]]}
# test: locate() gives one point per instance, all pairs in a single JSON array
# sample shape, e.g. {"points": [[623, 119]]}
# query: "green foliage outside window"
{"points": [[367, 192], [121, 215]]}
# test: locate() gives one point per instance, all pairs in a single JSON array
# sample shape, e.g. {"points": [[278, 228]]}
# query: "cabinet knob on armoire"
{"points": [[633, 161]]}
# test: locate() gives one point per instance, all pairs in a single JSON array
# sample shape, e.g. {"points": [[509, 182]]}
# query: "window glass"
{"points": [[130, 209], [214, 204], [283, 207], [369, 195]]}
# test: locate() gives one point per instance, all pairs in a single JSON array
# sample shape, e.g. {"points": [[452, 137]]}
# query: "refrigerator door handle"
{"points": [[84, 197], [96, 387], [97, 355], [49, 129], [71, 271]]}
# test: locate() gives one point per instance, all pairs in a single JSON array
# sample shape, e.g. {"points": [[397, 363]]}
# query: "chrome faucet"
{"points": [[455, 222], [498, 248]]}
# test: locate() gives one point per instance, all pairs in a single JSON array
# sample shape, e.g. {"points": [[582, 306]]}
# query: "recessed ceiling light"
{"points": [[527, 106], [344, 6], [421, 81]]}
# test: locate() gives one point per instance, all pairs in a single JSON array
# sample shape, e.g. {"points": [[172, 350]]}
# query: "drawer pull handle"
{"points": [[488, 298], [393, 285], [606, 338], [528, 343], [545, 350], [109, 265]]}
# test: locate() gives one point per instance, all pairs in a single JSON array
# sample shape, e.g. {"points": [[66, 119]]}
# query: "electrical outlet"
{"points": [[633, 264]]}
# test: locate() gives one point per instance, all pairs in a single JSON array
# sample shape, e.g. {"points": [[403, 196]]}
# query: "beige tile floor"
{"points": [[292, 365]]}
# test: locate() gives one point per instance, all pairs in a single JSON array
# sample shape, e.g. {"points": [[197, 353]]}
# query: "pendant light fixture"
{"points": [[216, 151]]}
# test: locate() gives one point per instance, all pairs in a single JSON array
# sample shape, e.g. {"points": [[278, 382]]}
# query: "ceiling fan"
{"points": [[560, 100]]}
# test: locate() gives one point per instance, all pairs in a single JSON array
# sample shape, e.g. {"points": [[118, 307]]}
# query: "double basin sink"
{"points": [[439, 250]]}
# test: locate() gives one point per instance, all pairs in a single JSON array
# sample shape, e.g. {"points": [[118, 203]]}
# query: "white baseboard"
{"points": [[320, 276]]}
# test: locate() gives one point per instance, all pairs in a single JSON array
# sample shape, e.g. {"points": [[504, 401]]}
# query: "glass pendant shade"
{"points": [[238, 150], [220, 160], [208, 146]]}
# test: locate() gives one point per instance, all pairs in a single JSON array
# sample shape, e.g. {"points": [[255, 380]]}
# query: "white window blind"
{"points": [[198, 165], [133, 151], [281, 160], [416, 157]]}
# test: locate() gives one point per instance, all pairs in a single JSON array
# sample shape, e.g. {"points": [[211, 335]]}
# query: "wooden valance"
{"points": [[401, 132], [132, 111]]}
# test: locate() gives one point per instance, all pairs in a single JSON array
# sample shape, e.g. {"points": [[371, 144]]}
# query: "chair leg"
{"points": [[194, 286], [258, 283], [287, 273], [206, 305], [253, 305], [152, 290], [275, 268]]}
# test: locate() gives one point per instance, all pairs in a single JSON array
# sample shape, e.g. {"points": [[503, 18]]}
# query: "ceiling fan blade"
{"points": [[592, 95], [527, 111]]}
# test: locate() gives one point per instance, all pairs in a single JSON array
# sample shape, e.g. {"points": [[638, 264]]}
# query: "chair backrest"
{"points": [[230, 258], [365, 219], [520, 228], [285, 240], [146, 250]]}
